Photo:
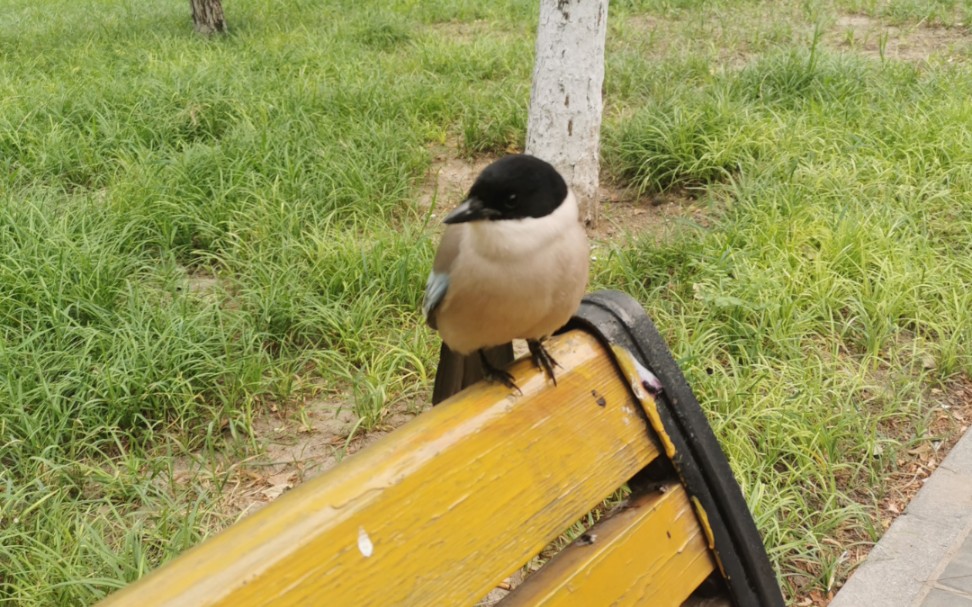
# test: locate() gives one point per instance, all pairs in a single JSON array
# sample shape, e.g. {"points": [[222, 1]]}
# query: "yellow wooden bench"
{"points": [[446, 508]]}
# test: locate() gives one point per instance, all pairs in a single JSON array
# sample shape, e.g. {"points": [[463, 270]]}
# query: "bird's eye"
{"points": [[510, 201]]}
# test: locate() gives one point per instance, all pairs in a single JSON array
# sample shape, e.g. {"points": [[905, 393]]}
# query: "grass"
{"points": [[826, 298]]}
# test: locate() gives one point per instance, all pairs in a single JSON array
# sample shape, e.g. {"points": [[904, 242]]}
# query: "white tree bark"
{"points": [[564, 125]]}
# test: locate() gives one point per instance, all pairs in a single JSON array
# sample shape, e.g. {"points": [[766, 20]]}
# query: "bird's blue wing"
{"points": [[435, 291]]}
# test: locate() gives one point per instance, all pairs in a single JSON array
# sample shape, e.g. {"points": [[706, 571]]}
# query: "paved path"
{"points": [[925, 558]]}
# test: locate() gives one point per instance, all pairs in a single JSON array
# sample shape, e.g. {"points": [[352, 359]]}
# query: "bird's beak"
{"points": [[471, 209]]}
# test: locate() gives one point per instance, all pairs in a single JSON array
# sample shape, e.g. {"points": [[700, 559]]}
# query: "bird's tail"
{"points": [[456, 372]]}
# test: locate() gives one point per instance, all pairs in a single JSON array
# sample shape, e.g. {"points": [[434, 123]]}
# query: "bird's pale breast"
{"points": [[514, 280]]}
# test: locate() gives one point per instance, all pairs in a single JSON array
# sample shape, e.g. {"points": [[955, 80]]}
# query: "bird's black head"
{"points": [[513, 187]]}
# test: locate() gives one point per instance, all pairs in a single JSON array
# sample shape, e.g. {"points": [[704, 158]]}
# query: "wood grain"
{"points": [[437, 512], [652, 553]]}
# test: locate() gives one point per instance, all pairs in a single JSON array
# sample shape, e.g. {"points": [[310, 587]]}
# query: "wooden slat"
{"points": [[437, 512], [652, 553]]}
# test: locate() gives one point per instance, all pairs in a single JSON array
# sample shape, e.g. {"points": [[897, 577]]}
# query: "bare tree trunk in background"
{"points": [[207, 16], [564, 125]]}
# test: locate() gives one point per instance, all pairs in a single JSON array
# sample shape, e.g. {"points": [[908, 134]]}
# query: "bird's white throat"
{"points": [[515, 238]]}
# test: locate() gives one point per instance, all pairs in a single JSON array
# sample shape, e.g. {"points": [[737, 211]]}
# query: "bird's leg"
{"points": [[492, 373], [542, 358]]}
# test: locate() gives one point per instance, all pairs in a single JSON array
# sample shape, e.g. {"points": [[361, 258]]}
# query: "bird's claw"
{"points": [[542, 359], [495, 374]]}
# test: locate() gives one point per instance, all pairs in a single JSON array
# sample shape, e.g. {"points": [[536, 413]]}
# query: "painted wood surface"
{"points": [[439, 511], [651, 553]]}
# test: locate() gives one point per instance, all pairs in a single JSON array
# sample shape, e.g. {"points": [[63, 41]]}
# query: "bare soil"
{"points": [[852, 32], [296, 448], [624, 214], [294, 444], [449, 177], [874, 38]]}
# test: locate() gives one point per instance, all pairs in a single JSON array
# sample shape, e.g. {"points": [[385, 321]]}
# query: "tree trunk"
{"points": [[564, 124], [207, 16]]}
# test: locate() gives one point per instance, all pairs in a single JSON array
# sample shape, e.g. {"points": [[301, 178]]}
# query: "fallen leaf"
{"points": [[278, 484]]}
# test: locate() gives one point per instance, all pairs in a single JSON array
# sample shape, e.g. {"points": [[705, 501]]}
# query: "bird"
{"points": [[512, 263]]}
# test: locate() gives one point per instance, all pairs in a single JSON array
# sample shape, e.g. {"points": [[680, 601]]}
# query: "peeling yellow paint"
{"points": [[630, 370], [704, 521], [707, 529], [629, 366]]}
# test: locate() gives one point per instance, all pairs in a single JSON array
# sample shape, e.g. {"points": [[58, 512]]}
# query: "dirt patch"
{"points": [[202, 286], [864, 34], [462, 31], [307, 444], [731, 40], [873, 38], [292, 446], [449, 177], [625, 215], [650, 31], [652, 35]]}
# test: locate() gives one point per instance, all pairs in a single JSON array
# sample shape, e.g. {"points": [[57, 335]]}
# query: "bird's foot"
{"points": [[542, 358], [492, 373]]}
